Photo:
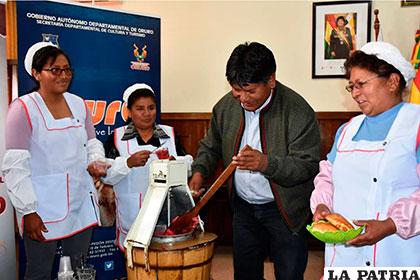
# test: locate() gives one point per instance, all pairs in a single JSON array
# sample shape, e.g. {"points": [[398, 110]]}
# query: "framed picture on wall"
{"points": [[338, 29]]}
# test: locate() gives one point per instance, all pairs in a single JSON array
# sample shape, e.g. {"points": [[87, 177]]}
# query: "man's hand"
{"points": [[195, 184], [252, 160], [33, 227], [138, 159], [320, 212], [374, 231]]}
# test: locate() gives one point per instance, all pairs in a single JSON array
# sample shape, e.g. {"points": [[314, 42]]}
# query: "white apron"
{"points": [[369, 176], [64, 189], [130, 191]]}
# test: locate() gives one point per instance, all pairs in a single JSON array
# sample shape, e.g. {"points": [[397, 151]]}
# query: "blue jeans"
{"points": [[258, 232]]}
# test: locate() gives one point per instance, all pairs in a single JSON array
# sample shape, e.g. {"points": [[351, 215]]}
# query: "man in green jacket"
{"points": [[270, 189]]}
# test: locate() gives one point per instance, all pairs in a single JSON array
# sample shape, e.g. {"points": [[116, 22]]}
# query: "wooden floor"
{"points": [[222, 265]]}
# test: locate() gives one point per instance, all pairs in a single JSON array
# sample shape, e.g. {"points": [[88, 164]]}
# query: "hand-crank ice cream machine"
{"points": [[168, 196], [152, 253]]}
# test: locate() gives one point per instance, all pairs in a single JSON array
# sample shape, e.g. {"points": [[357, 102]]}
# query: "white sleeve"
{"points": [[118, 170], [17, 175], [95, 150]]}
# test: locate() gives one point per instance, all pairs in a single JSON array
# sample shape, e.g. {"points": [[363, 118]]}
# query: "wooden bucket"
{"points": [[185, 260]]}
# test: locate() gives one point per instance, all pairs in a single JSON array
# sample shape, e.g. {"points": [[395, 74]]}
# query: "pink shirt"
{"points": [[19, 136], [405, 212]]}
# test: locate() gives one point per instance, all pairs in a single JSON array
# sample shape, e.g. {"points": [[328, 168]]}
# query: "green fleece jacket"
{"points": [[289, 136]]}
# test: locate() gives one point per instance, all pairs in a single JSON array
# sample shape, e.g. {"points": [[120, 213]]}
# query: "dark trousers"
{"points": [[40, 255], [258, 232]]}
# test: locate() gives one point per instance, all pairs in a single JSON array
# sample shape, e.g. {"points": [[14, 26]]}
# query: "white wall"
{"points": [[198, 37]]}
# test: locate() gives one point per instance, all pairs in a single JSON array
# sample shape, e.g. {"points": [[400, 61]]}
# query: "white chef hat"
{"points": [[31, 52], [391, 55], [133, 88]]}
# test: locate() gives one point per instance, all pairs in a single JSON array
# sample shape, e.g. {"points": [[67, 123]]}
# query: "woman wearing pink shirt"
{"points": [[371, 175], [50, 144]]}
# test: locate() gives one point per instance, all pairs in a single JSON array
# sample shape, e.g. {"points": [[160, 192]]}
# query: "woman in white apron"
{"points": [[371, 175], [133, 147], [50, 140]]}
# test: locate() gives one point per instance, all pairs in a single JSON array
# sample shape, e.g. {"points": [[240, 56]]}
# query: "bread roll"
{"points": [[323, 226], [339, 222]]}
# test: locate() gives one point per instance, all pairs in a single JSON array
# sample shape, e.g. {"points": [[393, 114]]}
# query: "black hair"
{"points": [[374, 65], [250, 63], [42, 56], [341, 17], [137, 94]]}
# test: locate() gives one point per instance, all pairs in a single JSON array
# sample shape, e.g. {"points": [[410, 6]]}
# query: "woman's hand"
{"points": [[252, 160], [33, 227], [138, 159], [374, 231], [320, 212], [98, 169], [195, 184]]}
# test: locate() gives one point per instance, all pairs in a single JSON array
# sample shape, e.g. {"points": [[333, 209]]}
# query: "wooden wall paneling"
{"points": [[2, 19], [192, 127], [11, 32], [328, 123]]}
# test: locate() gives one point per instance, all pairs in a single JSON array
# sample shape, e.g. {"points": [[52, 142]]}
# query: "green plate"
{"points": [[335, 237]]}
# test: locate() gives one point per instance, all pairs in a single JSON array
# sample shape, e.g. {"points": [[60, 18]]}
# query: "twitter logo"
{"points": [[109, 265]]}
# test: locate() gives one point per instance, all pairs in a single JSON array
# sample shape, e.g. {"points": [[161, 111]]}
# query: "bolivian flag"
{"points": [[415, 60], [329, 26]]}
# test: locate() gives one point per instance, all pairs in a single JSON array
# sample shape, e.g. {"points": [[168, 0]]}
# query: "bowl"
{"points": [[337, 237]]}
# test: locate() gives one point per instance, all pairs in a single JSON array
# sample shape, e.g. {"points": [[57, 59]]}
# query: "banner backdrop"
{"points": [[109, 51], [7, 233]]}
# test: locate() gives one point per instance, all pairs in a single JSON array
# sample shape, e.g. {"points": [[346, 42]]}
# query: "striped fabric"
{"points": [[415, 60], [131, 132]]}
